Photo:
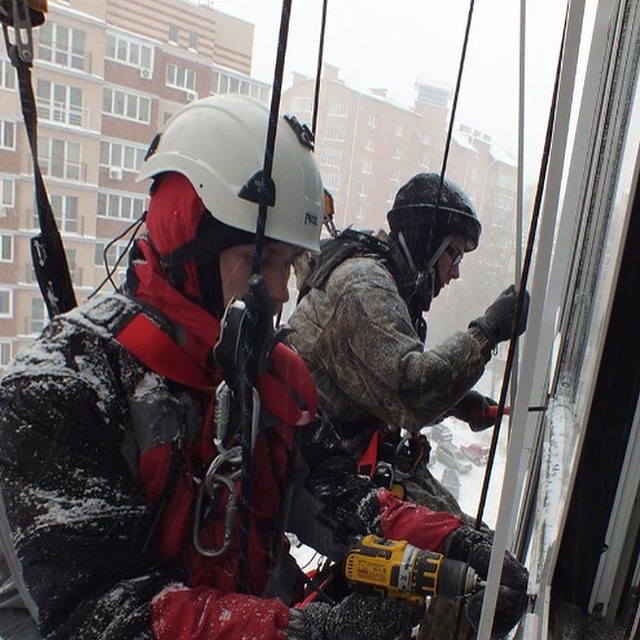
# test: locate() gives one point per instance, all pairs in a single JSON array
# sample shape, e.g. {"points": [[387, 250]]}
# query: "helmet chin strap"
{"points": [[428, 284]]}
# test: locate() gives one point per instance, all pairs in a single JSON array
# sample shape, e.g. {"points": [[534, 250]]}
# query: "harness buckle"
{"points": [[19, 18]]}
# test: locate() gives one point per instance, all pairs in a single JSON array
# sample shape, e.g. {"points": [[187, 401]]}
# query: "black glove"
{"points": [[497, 321], [473, 546], [360, 617], [473, 409]]}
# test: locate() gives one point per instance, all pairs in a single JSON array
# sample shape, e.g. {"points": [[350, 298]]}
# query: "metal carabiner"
{"points": [[232, 456], [229, 519]]}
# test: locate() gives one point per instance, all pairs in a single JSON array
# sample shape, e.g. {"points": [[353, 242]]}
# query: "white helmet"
{"points": [[219, 142]]}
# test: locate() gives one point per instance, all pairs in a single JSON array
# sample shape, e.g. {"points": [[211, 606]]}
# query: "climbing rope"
{"points": [[316, 94], [261, 189], [526, 266]]}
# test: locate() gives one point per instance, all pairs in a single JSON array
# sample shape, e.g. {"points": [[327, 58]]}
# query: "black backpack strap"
{"points": [[350, 243]]}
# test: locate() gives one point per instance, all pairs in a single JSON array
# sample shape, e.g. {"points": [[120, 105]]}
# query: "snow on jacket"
{"points": [[100, 458], [357, 337]]}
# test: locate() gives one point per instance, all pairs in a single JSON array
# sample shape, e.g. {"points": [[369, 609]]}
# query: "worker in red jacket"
{"points": [[150, 439]]}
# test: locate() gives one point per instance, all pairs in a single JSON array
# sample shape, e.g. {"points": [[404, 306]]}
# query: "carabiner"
{"points": [[229, 519]]}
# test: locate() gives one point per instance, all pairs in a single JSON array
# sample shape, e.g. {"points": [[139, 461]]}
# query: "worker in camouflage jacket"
{"points": [[141, 495], [359, 327]]}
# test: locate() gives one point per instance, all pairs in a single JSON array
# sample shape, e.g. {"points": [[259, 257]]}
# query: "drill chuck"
{"points": [[401, 571]]}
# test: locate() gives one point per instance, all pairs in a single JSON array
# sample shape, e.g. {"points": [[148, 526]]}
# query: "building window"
{"points": [[128, 51], [7, 134], [38, 318], [336, 133], [6, 302], [372, 121], [5, 352], [129, 106], [331, 181], [395, 175], [62, 45], [362, 192], [302, 105], [391, 196], [180, 77], [331, 158], [503, 201], [368, 144], [193, 40], [115, 205], [367, 167], [65, 209], [6, 248], [397, 153], [115, 254], [60, 159], [118, 155], [7, 192], [425, 137], [424, 162], [399, 131], [361, 213], [337, 109], [506, 181], [500, 218], [223, 82], [173, 34], [59, 103], [7, 75]]}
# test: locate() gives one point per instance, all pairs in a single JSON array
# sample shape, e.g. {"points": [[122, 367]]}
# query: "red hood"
{"points": [[175, 211]]}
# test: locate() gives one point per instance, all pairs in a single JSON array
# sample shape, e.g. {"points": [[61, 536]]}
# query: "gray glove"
{"points": [[474, 547], [497, 321], [359, 617]]}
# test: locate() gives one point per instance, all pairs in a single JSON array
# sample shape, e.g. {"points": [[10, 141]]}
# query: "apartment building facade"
{"points": [[107, 75], [367, 147]]}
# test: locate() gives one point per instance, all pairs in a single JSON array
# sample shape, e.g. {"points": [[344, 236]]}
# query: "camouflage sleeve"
{"points": [[358, 340]]}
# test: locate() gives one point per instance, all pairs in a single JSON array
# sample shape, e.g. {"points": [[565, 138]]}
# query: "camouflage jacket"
{"points": [[355, 334]]}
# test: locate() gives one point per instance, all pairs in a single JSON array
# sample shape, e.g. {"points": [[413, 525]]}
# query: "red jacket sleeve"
{"points": [[418, 525], [203, 613]]}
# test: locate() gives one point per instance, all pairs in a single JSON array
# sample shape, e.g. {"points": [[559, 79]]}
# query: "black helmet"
{"points": [[426, 211]]}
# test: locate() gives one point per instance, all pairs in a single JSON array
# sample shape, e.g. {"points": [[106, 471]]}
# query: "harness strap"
{"points": [[369, 459], [144, 339]]}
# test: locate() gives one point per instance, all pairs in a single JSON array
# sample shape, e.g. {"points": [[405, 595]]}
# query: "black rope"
{"points": [[316, 95], [254, 315], [274, 112], [523, 277], [133, 228], [456, 93]]}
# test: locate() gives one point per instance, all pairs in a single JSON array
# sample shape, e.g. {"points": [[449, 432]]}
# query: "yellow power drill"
{"points": [[400, 571]]}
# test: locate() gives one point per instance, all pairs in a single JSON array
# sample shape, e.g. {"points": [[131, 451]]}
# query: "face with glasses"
{"points": [[449, 261]]}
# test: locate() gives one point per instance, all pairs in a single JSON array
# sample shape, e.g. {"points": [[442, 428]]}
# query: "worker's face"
{"points": [[236, 269], [449, 261]]}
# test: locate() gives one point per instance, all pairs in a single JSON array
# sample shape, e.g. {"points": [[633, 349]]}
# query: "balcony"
{"points": [[51, 112]]}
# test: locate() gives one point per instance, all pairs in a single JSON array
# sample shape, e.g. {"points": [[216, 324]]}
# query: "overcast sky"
{"points": [[392, 44]]}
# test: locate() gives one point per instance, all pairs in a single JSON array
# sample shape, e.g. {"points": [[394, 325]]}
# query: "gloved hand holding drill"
{"points": [[473, 546], [498, 319], [474, 410]]}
